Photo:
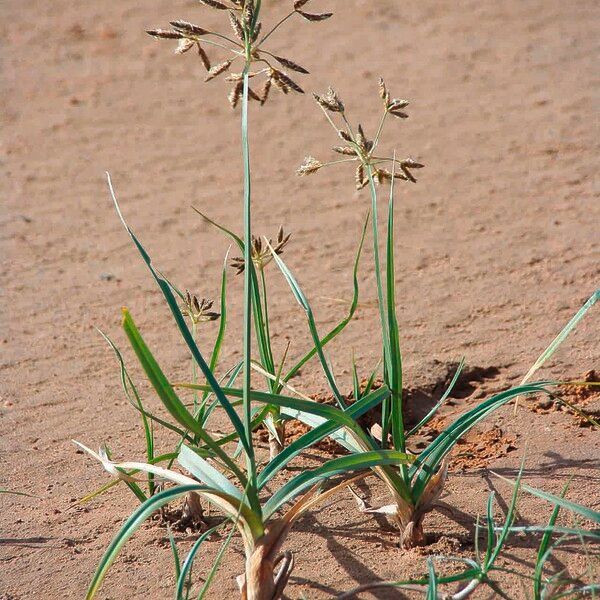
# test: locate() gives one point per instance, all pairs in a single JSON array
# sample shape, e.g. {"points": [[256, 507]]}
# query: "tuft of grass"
{"points": [[205, 465]]}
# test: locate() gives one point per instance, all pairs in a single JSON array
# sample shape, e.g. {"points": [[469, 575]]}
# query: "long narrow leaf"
{"points": [[167, 395], [429, 460], [182, 326], [336, 466], [557, 341], [301, 299], [342, 324], [130, 527], [584, 511]]}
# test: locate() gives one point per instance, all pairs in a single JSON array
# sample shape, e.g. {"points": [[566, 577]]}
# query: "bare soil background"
{"points": [[498, 246]]}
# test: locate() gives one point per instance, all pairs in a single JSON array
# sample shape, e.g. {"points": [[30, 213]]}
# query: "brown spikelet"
{"points": [[188, 28], [278, 82], [184, 45], [360, 178], [218, 69], [290, 64], [253, 95], [167, 34], [382, 175], [398, 104], [330, 101], [236, 26], [344, 150], [314, 17], [203, 57], [383, 92], [282, 240], [309, 166], [235, 94], [411, 163], [345, 135], [407, 173], [289, 82], [264, 93], [361, 140], [248, 14], [214, 4], [257, 31]]}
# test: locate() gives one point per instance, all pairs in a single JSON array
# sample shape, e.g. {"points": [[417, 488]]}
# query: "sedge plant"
{"points": [[483, 568], [414, 489], [245, 45], [215, 473]]}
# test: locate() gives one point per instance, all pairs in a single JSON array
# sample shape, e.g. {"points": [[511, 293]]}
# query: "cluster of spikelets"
{"points": [[262, 253], [359, 148], [246, 45], [198, 310]]}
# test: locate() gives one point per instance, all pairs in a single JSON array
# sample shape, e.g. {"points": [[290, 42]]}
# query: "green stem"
{"points": [[267, 332], [379, 130], [385, 406], [247, 349], [195, 368]]}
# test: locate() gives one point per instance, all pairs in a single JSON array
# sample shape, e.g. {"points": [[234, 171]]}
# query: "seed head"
{"points": [[314, 16], [236, 94], [369, 164], [360, 178], [261, 254], [184, 45], [203, 56], [330, 101], [309, 166], [218, 69], [290, 64], [287, 81], [347, 150], [199, 311], [214, 4], [167, 34], [236, 26], [188, 28], [243, 19]]}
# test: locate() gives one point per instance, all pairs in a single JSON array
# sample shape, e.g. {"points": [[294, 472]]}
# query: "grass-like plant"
{"points": [[414, 489], [234, 489], [482, 569], [232, 480]]}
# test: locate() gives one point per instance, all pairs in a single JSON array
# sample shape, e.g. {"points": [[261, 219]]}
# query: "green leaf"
{"points": [[441, 401], [183, 328], [131, 525], [558, 340], [584, 511], [429, 460], [301, 299], [167, 395], [342, 324], [175, 552], [134, 398], [202, 470], [542, 553], [186, 567], [354, 411], [343, 465], [394, 365]]}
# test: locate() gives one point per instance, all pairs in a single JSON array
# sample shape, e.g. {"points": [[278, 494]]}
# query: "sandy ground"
{"points": [[497, 247]]}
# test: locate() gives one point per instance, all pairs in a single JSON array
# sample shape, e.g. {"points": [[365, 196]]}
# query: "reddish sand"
{"points": [[497, 247]]}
